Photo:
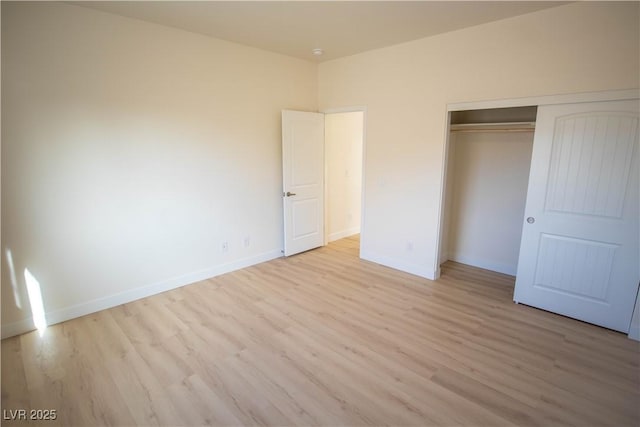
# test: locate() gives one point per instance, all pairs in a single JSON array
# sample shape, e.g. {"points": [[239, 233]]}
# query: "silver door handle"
{"points": [[531, 220], [289, 194]]}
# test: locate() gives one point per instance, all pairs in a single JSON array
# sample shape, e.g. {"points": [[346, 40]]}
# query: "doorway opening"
{"points": [[323, 170], [344, 148]]}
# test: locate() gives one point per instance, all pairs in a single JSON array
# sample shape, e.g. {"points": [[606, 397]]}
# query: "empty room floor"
{"points": [[324, 338]]}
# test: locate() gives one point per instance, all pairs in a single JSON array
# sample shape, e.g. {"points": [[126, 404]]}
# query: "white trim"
{"points": [[442, 196], [344, 233], [363, 182], [387, 261], [325, 182], [485, 264], [344, 110], [610, 95], [16, 328], [82, 309], [570, 98], [437, 273], [634, 326]]}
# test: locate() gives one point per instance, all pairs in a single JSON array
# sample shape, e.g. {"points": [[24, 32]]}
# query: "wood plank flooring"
{"points": [[324, 338]]}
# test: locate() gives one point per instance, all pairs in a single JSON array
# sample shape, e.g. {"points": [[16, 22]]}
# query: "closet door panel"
{"points": [[579, 254]]}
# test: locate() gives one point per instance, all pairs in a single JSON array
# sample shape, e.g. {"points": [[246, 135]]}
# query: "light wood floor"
{"points": [[324, 338]]}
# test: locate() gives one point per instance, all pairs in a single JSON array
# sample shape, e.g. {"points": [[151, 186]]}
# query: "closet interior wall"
{"points": [[487, 177]]}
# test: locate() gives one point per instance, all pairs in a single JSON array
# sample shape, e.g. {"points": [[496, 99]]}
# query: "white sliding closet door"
{"points": [[579, 254]]}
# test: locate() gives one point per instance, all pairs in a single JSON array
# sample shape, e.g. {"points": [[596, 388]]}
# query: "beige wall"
{"points": [[343, 148], [488, 189], [579, 47], [131, 151]]}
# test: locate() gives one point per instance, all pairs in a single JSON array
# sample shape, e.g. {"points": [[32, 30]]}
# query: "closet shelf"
{"points": [[494, 127]]}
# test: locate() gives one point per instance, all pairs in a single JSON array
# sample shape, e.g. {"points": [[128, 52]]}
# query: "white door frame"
{"points": [[354, 109], [612, 95]]}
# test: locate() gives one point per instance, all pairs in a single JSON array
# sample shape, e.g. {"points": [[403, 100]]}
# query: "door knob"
{"points": [[531, 220], [289, 194]]}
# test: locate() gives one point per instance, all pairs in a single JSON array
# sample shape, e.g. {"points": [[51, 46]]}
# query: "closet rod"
{"points": [[494, 127]]}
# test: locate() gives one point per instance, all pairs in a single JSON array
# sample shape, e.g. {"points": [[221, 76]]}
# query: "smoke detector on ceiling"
{"points": [[317, 51]]}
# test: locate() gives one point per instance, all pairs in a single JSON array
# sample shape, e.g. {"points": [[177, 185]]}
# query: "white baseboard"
{"points": [[387, 261], [78, 310], [483, 263], [17, 328], [344, 233]]}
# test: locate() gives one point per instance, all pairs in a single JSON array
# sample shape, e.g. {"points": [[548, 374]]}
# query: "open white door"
{"points": [[580, 254], [303, 180]]}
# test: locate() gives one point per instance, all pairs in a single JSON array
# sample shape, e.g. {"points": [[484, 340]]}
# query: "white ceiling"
{"points": [[341, 28]]}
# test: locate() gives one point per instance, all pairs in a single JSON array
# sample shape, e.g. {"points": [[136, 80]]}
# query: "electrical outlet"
{"points": [[409, 245], [225, 246], [246, 241]]}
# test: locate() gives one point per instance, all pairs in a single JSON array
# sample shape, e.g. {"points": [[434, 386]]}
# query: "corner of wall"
{"points": [[397, 264]]}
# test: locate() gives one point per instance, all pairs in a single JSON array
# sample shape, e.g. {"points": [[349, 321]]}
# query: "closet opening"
{"points": [[486, 180]]}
